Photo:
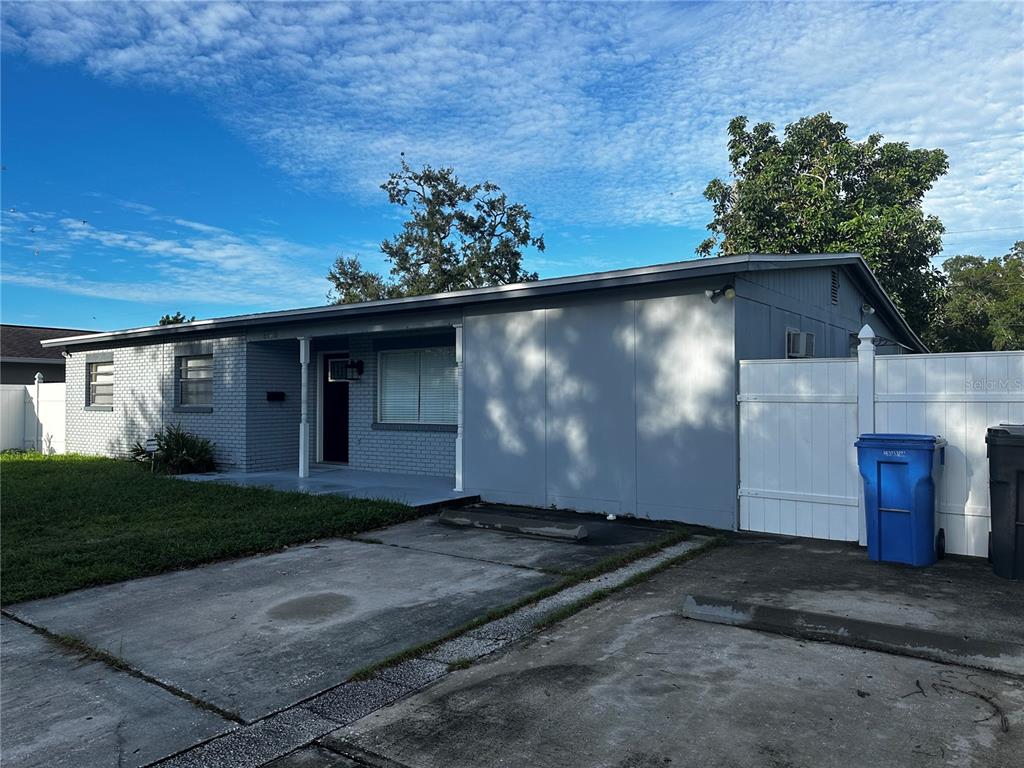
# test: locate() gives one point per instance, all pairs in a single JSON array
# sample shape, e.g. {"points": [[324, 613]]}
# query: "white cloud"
{"points": [[592, 113], [153, 262]]}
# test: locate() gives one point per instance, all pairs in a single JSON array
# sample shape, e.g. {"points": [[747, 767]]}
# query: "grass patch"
{"points": [[603, 566], [78, 521], [460, 664]]}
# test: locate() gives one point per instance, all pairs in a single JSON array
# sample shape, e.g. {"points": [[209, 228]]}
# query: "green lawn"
{"points": [[74, 521]]}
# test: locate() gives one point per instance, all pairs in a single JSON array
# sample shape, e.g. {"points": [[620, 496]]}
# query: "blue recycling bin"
{"points": [[900, 476]]}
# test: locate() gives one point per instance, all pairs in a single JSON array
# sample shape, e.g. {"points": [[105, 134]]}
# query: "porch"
{"points": [[420, 491], [381, 400]]}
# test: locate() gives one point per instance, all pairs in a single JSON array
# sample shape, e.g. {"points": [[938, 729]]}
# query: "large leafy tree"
{"points": [[815, 190], [984, 306], [456, 236], [176, 319]]}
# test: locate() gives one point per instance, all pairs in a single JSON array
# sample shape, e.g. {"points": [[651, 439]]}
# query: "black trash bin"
{"points": [[1006, 496]]}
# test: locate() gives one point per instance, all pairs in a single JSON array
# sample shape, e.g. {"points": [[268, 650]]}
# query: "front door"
{"points": [[334, 405]]}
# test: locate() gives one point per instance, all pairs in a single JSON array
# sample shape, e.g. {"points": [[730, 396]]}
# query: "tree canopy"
{"points": [[176, 318], [984, 303], [815, 190], [456, 236]]}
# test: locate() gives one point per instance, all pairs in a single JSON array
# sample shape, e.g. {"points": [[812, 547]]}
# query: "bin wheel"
{"points": [[940, 543]]}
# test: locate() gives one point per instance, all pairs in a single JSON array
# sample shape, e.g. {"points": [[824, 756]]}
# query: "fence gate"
{"points": [[798, 463]]}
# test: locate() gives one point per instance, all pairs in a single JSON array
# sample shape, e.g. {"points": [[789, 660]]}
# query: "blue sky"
{"points": [[216, 158]]}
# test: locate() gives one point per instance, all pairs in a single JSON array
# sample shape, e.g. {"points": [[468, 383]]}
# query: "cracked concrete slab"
{"points": [[60, 708], [630, 682], [255, 635]]}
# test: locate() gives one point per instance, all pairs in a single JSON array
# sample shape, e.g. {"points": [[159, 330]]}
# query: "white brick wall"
{"points": [[248, 431], [144, 400]]}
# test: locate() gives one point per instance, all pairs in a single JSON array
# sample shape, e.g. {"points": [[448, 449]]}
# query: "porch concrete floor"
{"points": [[414, 490]]}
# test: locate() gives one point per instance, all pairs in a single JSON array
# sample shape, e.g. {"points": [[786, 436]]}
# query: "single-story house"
{"points": [[22, 356], [612, 392]]}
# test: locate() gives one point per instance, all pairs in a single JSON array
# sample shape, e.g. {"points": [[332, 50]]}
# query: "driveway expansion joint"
{"points": [[308, 721], [74, 645]]}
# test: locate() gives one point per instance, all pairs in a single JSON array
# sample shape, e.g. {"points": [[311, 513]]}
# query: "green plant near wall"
{"points": [[177, 452]]}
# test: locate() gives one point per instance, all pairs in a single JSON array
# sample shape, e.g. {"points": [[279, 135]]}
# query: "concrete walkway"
{"points": [[248, 640], [632, 682], [424, 491]]}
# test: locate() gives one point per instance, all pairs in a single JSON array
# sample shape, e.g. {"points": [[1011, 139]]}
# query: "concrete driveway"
{"points": [[632, 683], [223, 645]]}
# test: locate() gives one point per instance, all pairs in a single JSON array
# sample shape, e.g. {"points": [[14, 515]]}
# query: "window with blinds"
{"points": [[417, 386], [195, 380], [101, 384]]}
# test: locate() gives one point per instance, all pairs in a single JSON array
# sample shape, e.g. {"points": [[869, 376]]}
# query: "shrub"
{"points": [[178, 452]]}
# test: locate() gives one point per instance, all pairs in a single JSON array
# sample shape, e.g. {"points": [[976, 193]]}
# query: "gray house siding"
{"points": [[622, 405], [617, 399], [144, 399], [769, 302]]}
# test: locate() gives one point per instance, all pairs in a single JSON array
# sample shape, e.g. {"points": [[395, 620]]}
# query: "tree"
{"points": [[175, 319], [456, 236], [818, 191], [984, 304]]}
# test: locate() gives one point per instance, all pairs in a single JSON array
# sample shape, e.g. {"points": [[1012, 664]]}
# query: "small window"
{"points": [[799, 343], [101, 384], [418, 386], [195, 380]]}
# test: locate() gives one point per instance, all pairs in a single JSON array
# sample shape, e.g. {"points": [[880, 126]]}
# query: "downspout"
{"points": [[304, 408], [459, 371]]}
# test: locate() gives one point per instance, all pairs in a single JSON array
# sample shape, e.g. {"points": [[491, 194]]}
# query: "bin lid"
{"points": [[1005, 434], [890, 439]]}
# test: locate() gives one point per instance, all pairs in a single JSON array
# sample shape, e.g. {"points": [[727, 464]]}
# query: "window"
{"points": [[418, 386], [101, 384], [195, 380]]}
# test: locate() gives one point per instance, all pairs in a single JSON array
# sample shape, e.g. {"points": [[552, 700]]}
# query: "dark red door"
{"points": [[335, 414]]}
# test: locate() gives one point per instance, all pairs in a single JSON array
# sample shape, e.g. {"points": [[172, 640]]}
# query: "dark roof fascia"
{"points": [[33, 360], [505, 293]]}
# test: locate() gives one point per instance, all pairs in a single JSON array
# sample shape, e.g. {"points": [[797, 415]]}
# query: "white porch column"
{"points": [[458, 384], [304, 408], [865, 409]]}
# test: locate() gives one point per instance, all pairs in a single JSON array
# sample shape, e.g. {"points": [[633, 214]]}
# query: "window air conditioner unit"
{"points": [[799, 344]]}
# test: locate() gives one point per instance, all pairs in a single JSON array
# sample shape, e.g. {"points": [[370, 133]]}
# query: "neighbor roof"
{"points": [[22, 342], [660, 273]]}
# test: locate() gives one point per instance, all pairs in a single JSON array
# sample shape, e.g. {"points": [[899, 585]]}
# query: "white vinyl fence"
{"points": [[28, 423], [799, 420]]}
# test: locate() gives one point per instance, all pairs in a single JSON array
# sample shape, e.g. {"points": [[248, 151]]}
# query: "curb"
{"points": [[930, 645]]}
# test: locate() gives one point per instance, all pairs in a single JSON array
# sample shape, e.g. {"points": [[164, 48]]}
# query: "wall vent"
{"points": [[835, 286]]}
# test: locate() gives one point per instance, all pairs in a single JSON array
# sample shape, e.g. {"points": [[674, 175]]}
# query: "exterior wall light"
{"points": [[867, 309], [726, 290]]}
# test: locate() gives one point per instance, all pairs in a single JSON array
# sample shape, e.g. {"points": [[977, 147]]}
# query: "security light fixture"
{"points": [[726, 290], [867, 309]]}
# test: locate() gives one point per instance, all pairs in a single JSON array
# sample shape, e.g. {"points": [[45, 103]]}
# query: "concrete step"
{"points": [[510, 522]]}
